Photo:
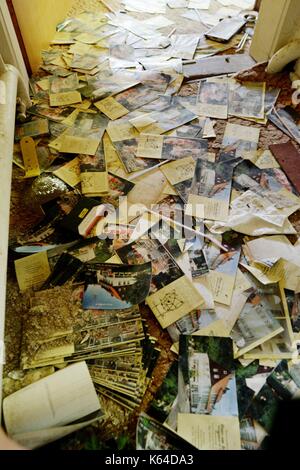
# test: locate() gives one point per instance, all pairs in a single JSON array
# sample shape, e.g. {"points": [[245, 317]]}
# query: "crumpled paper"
{"points": [[254, 215]]}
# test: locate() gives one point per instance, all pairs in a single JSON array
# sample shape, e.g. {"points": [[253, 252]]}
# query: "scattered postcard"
{"points": [[212, 99], [151, 435], [290, 120], [100, 87], [29, 416], [223, 272], [247, 100], [62, 90], [34, 128], [210, 190], [32, 271], [85, 135], [52, 114], [240, 138], [179, 170], [280, 386], [210, 432], [183, 46], [64, 99], [255, 325], [70, 172], [121, 129], [169, 147], [93, 174], [116, 286], [171, 294], [167, 119], [127, 152], [207, 368], [126, 101]]}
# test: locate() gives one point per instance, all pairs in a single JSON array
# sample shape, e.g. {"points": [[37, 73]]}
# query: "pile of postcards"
{"points": [[139, 204]]}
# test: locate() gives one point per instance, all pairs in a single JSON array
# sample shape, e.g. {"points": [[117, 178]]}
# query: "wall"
{"points": [[9, 46], [37, 20], [278, 23]]}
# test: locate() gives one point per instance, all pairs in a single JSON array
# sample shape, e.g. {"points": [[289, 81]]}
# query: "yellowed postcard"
{"points": [[111, 108], [70, 172], [282, 270], [213, 209], [247, 100], [222, 285], [63, 99], [43, 411], [210, 432], [94, 183], [174, 301], [211, 188], [179, 170], [242, 139], [62, 37], [32, 271], [121, 130], [263, 159], [113, 161], [150, 146], [74, 144], [212, 99]]}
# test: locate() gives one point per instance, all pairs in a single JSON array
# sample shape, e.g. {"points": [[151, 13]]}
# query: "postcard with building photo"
{"points": [[279, 386], [207, 368], [172, 294], [164, 268], [191, 323], [247, 100], [93, 319], [223, 267], [151, 435], [211, 189], [113, 286], [127, 152], [106, 337], [256, 323], [212, 99], [170, 236], [196, 257]]}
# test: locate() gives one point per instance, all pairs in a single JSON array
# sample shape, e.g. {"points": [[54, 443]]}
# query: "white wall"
{"points": [[278, 23]]}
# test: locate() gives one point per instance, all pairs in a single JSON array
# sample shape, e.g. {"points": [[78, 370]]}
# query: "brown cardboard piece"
{"points": [[288, 158]]}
